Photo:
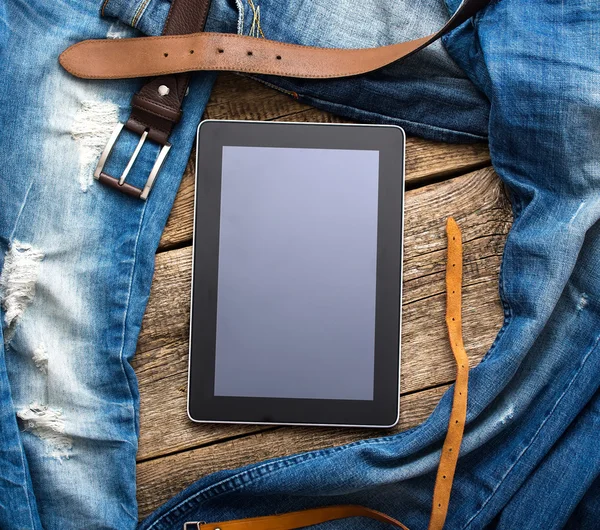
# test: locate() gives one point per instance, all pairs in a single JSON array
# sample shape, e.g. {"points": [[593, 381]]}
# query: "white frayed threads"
{"points": [[40, 358], [583, 302], [49, 425], [572, 220], [17, 283], [240, 24], [118, 30], [508, 415], [93, 125]]}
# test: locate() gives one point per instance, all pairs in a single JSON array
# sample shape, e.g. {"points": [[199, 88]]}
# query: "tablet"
{"points": [[296, 280]]}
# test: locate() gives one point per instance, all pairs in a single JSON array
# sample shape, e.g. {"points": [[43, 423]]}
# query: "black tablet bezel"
{"points": [[203, 405]]}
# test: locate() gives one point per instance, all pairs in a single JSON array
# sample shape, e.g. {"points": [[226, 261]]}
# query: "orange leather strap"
{"points": [[458, 414], [450, 449], [153, 56], [301, 519]]}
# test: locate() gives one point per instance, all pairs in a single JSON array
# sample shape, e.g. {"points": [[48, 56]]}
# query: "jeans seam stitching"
{"points": [[508, 313], [21, 451], [126, 312], [535, 436], [284, 463], [12, 234], [139, 12], [294, 460]]}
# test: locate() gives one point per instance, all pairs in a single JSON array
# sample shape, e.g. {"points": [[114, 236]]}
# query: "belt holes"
{"points": [[220, 50], [166, 54], [450, 450], [444, 476], [278, 57], [191, 52], [249, 53]]}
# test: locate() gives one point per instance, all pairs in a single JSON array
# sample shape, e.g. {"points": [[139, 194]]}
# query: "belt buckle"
{"points": [[120, 184]]}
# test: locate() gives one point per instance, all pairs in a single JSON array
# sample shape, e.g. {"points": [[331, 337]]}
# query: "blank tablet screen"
{"points": [[297, 273]]}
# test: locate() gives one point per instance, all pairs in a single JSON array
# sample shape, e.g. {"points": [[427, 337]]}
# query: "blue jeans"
{"points": [[76, 263]]}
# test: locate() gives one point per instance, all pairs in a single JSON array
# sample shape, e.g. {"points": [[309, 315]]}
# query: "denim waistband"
{"points": [[146, 15]]}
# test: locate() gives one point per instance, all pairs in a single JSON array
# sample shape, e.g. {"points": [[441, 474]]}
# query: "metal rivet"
{"points": [[163, 90]]}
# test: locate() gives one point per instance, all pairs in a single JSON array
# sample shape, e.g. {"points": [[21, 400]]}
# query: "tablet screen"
{"points": [[297, 271]]}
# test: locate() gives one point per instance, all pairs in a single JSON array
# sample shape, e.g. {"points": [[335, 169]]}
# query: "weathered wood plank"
{"points": [[158, 480], [238, 97], [479, 205], [165, 426]]}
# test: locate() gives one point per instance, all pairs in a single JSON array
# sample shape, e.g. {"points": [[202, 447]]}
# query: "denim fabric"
{"points": [[76, 261]]}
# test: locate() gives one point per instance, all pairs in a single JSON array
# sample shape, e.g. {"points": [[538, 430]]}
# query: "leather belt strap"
{"points": [[301, 519], [156, 108], [450, 449], [155, 56], [458, 413]]}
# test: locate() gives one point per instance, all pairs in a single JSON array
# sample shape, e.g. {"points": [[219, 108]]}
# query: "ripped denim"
{"points": [[76, 262]]}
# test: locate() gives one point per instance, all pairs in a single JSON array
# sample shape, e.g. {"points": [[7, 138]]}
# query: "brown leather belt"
{"points": [[450, 449], [157, 107], [151, 56]]}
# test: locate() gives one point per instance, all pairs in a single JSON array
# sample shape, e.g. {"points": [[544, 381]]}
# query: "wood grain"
{"points": [[241, 98], [159, 480], [238, 97], [477, 202]]}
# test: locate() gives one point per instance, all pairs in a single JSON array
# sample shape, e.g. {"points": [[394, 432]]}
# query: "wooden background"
{"points": [[442, 180]]}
